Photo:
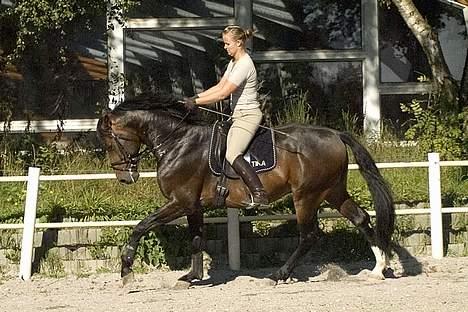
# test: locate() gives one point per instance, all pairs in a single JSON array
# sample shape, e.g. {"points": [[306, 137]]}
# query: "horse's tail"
{"points": [[379, 189]]}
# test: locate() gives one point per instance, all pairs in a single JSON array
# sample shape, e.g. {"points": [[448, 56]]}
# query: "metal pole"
{"points": [[29, 223], [436, 206], [233, 238]]}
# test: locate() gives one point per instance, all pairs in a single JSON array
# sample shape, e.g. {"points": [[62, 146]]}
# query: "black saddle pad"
{"points": [[260, 154]]}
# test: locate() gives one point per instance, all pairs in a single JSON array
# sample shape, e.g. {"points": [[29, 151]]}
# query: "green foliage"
{"points": [[151, 251], [52, 265], [261, 228], [351, 123], [297, 110], [14, 255], [38, 20], [158, 248], [436, 130], [13, 196]]}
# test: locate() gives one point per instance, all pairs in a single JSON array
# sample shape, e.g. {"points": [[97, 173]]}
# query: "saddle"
{"points": [[260, 154]]}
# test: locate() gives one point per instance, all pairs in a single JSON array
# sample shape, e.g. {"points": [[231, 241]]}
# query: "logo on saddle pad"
{"points": [[255, 163], [260, 154]]}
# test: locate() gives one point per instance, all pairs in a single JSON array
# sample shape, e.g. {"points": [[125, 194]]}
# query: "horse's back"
{"points": [[310, 139]]}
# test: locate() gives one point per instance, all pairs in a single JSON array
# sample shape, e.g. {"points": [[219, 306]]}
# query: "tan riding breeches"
{"points": [[245, 124]]}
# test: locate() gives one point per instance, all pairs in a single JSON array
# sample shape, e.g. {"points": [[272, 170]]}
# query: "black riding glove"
{"points": [[189, 103]]}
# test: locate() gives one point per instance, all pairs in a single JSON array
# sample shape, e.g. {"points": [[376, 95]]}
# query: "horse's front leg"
{"points": [[195, 223], [165, 214]]}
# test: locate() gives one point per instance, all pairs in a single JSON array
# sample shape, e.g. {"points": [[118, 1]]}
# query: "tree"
{"points": [[444, 88], [37, 43], [443, 127]]}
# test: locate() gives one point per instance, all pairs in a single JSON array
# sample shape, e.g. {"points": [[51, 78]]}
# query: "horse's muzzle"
{"points": [[127, 177]]}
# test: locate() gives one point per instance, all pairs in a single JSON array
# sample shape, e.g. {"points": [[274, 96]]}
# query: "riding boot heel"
{"points": [[259, 199]]}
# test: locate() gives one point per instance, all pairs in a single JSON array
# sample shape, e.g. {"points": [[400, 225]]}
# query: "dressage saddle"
{"points": [[260, 154]]}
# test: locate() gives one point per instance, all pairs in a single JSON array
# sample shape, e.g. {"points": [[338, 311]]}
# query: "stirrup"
{"points": [[255, 205]]}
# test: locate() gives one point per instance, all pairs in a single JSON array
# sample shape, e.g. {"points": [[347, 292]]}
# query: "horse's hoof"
{"points": [[273, 276], [180, 285], [280, 275], [371, 275], [191, 276], [389, 273], [128, 279]]}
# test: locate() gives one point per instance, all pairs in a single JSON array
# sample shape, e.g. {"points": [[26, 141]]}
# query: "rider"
{"points": [[240, 83]]}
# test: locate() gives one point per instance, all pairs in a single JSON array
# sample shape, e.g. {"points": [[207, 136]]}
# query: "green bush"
{"points": [[111, 200]]}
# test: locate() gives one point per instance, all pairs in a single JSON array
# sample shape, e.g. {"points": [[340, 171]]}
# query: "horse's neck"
{"points": [[163, 134]]}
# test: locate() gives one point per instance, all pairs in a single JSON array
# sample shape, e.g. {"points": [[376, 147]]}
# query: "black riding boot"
{"points": [[250, 178]]}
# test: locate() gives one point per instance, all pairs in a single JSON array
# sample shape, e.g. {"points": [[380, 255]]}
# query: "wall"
{"points": [[85, 251]]}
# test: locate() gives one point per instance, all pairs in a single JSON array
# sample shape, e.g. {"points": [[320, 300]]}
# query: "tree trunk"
{"points": [[444, 86], [463, 94], [463, 99]]}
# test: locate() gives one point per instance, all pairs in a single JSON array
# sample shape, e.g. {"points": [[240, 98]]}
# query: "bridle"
{"points": [[129, 160]]}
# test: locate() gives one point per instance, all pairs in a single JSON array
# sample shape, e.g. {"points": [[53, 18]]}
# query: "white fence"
{"points": [[33, 179]]}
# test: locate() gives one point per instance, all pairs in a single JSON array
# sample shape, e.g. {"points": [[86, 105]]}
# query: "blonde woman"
{"points": [[239, 82]]}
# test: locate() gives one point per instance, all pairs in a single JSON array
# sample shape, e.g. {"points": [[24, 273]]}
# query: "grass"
{"points": [[52, 265], [111, 200]]}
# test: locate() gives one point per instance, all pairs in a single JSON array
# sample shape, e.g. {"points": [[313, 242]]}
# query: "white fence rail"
{"points": [[233, 217]]}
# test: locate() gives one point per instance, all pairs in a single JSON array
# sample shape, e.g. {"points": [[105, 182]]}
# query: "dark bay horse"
{"points": [[312, 164]]}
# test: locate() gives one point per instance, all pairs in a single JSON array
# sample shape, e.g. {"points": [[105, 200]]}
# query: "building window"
{"points": [[180, 62], [180, 8], [333, 89], [401, 56], [307, 25]]}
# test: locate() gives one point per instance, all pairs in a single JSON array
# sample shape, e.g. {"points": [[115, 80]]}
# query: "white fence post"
{"points": [[435, 202], [29, 223], [233, 238]]}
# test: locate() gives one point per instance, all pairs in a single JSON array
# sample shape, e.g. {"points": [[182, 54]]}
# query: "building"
{"points": [[348, 58]]}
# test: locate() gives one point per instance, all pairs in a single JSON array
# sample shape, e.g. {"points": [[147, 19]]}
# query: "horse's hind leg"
{"points": [[361, 219], [307, 223], [195, 223]]}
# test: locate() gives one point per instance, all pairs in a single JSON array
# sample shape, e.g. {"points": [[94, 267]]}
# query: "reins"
{"points": [[172, 131], [131, 160]]}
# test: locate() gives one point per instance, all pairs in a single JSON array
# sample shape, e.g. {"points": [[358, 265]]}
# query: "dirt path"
{"points": [[423, 284]]}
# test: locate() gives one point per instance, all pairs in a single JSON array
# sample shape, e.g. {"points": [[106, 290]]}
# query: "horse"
{"points": [[312, 165]]}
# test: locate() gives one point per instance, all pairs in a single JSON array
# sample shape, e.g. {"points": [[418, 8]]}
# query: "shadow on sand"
{"points": [[402, 264]]}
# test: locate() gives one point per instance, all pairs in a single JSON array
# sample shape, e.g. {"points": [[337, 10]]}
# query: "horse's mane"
{"points": [[161, 102], [151, 102]]}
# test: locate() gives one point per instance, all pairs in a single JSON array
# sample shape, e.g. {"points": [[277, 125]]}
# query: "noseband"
{"points": [[129, 160]]}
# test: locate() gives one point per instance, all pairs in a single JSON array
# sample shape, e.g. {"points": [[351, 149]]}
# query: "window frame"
{"points": [[243, 14]]}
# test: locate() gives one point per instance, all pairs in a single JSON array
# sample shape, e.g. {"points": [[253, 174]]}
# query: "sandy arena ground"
{"points": [[421, 284]]}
